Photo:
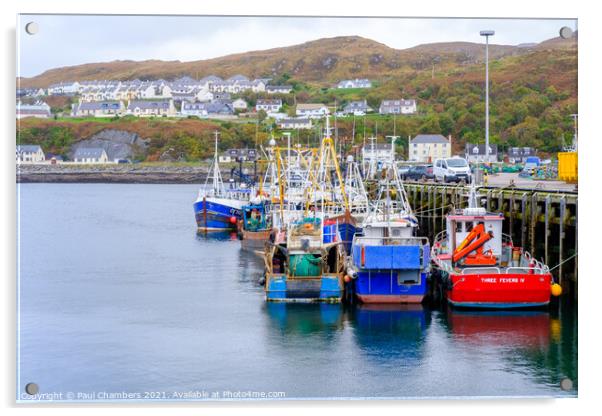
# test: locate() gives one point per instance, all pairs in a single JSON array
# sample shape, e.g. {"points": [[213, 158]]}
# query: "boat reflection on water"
{"points": [[217, 235], [520, 329], [541, 343], [305, 318], [390, 331]]}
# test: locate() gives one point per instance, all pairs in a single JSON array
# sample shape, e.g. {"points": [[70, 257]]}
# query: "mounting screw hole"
{"points": [[32, 28], [566, 32], [31, 388]]}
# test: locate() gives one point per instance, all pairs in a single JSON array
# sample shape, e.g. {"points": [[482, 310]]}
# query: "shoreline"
{"points": [[114, 174], [112, 177]]}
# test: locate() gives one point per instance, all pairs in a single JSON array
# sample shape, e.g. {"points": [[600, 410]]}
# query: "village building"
{"points": [[197, 109], [398, 107], [382, 154], [29, 153], [38, 110], [475, 153], [238, 155], [312, 110], [89, 155], [520, 154], [143, 108], [278, 89], [358, 108], [98, 109], [355, 83], [428, 147], [295, 123], [219, 108], [269, 106], [64, 88], [239, 104]]}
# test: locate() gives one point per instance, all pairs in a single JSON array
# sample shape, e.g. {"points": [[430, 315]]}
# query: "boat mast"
{"points": [[216, 172]]}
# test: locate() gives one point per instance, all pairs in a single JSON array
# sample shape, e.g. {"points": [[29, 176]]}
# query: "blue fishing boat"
{"points": [[217, 208], [389, 263]]}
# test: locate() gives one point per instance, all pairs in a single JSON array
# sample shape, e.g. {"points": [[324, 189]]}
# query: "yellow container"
{"points": [[567, 166]]}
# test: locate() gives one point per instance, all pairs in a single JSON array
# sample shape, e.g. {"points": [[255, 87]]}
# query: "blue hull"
{"points": [[383, 287], [323, 289], [347, 231], [213, 216], [391, 273]]}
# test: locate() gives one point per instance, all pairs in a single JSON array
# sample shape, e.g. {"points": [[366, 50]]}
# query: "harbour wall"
{"points": [[544, 222]]}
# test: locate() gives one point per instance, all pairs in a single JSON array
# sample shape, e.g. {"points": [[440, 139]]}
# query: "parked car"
{"points": [[531, 163], [419, 172], [453, 169], [402, 169]]}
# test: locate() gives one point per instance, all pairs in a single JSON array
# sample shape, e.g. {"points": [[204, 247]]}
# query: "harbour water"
{"points": [[119, 297]]}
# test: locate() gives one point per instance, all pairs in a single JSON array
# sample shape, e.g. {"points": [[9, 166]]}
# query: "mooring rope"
{"points": [[564, 261]]}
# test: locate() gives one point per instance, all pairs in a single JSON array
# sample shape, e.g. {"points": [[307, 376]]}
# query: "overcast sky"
{"points": [[72, 40]]}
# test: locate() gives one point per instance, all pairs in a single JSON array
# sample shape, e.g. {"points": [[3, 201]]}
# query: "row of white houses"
{"points": [[181, 88]]}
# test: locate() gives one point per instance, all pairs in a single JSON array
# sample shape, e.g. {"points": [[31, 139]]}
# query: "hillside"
{"points": [[322, 61], [533, 92]]}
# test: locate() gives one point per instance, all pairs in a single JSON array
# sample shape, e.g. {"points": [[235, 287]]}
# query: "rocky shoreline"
{"points": [[112, 174]]}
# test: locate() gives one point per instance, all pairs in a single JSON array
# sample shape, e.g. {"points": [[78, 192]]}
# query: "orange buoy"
{"points": [[556, 289]]}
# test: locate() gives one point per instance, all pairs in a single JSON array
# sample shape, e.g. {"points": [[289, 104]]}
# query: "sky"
{"points": [[65, 40]]}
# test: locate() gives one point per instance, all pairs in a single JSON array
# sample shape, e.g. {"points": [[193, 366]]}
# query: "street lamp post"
{"points": [[487, 33]]}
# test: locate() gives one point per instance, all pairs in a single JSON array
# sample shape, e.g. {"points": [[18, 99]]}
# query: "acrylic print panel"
{"points": [[251, 208]]}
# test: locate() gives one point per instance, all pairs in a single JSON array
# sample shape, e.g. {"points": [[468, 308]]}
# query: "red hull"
{"points": [[391, 298], [500, 290]]}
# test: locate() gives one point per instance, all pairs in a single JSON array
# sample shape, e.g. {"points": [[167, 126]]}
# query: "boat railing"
{"points": [[519, 269], [401, 241], [478, 270], [506, 239]]}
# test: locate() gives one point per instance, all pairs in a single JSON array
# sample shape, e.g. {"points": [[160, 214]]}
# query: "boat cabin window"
{"points": [[468, 226]]}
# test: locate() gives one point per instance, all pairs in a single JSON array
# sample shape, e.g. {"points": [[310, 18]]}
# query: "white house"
{"points": [[355, 83], [98, 109], [29, 153], [239, 104], [295, 123], [90, 155], [398, 107], [382, 154], [269, 106], [278, 89], [148, 108], [38, 110], [312, 110], [476, 153], [64, 88], [197, 109], [358, 108], [428, 147]]}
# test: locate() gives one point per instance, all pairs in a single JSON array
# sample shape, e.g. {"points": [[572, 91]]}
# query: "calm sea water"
{"points": [[119, 297]]}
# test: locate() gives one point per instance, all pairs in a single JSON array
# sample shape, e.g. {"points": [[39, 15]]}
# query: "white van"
{"points": [[454, 169]]}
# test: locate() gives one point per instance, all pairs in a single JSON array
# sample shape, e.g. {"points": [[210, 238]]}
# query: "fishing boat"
{"points": [[305, 266], [218, 208], [389, 263], [255, 226], [479, 267]]}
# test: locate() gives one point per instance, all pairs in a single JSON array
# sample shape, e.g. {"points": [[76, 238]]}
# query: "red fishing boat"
{"points": [[479, 267]]}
